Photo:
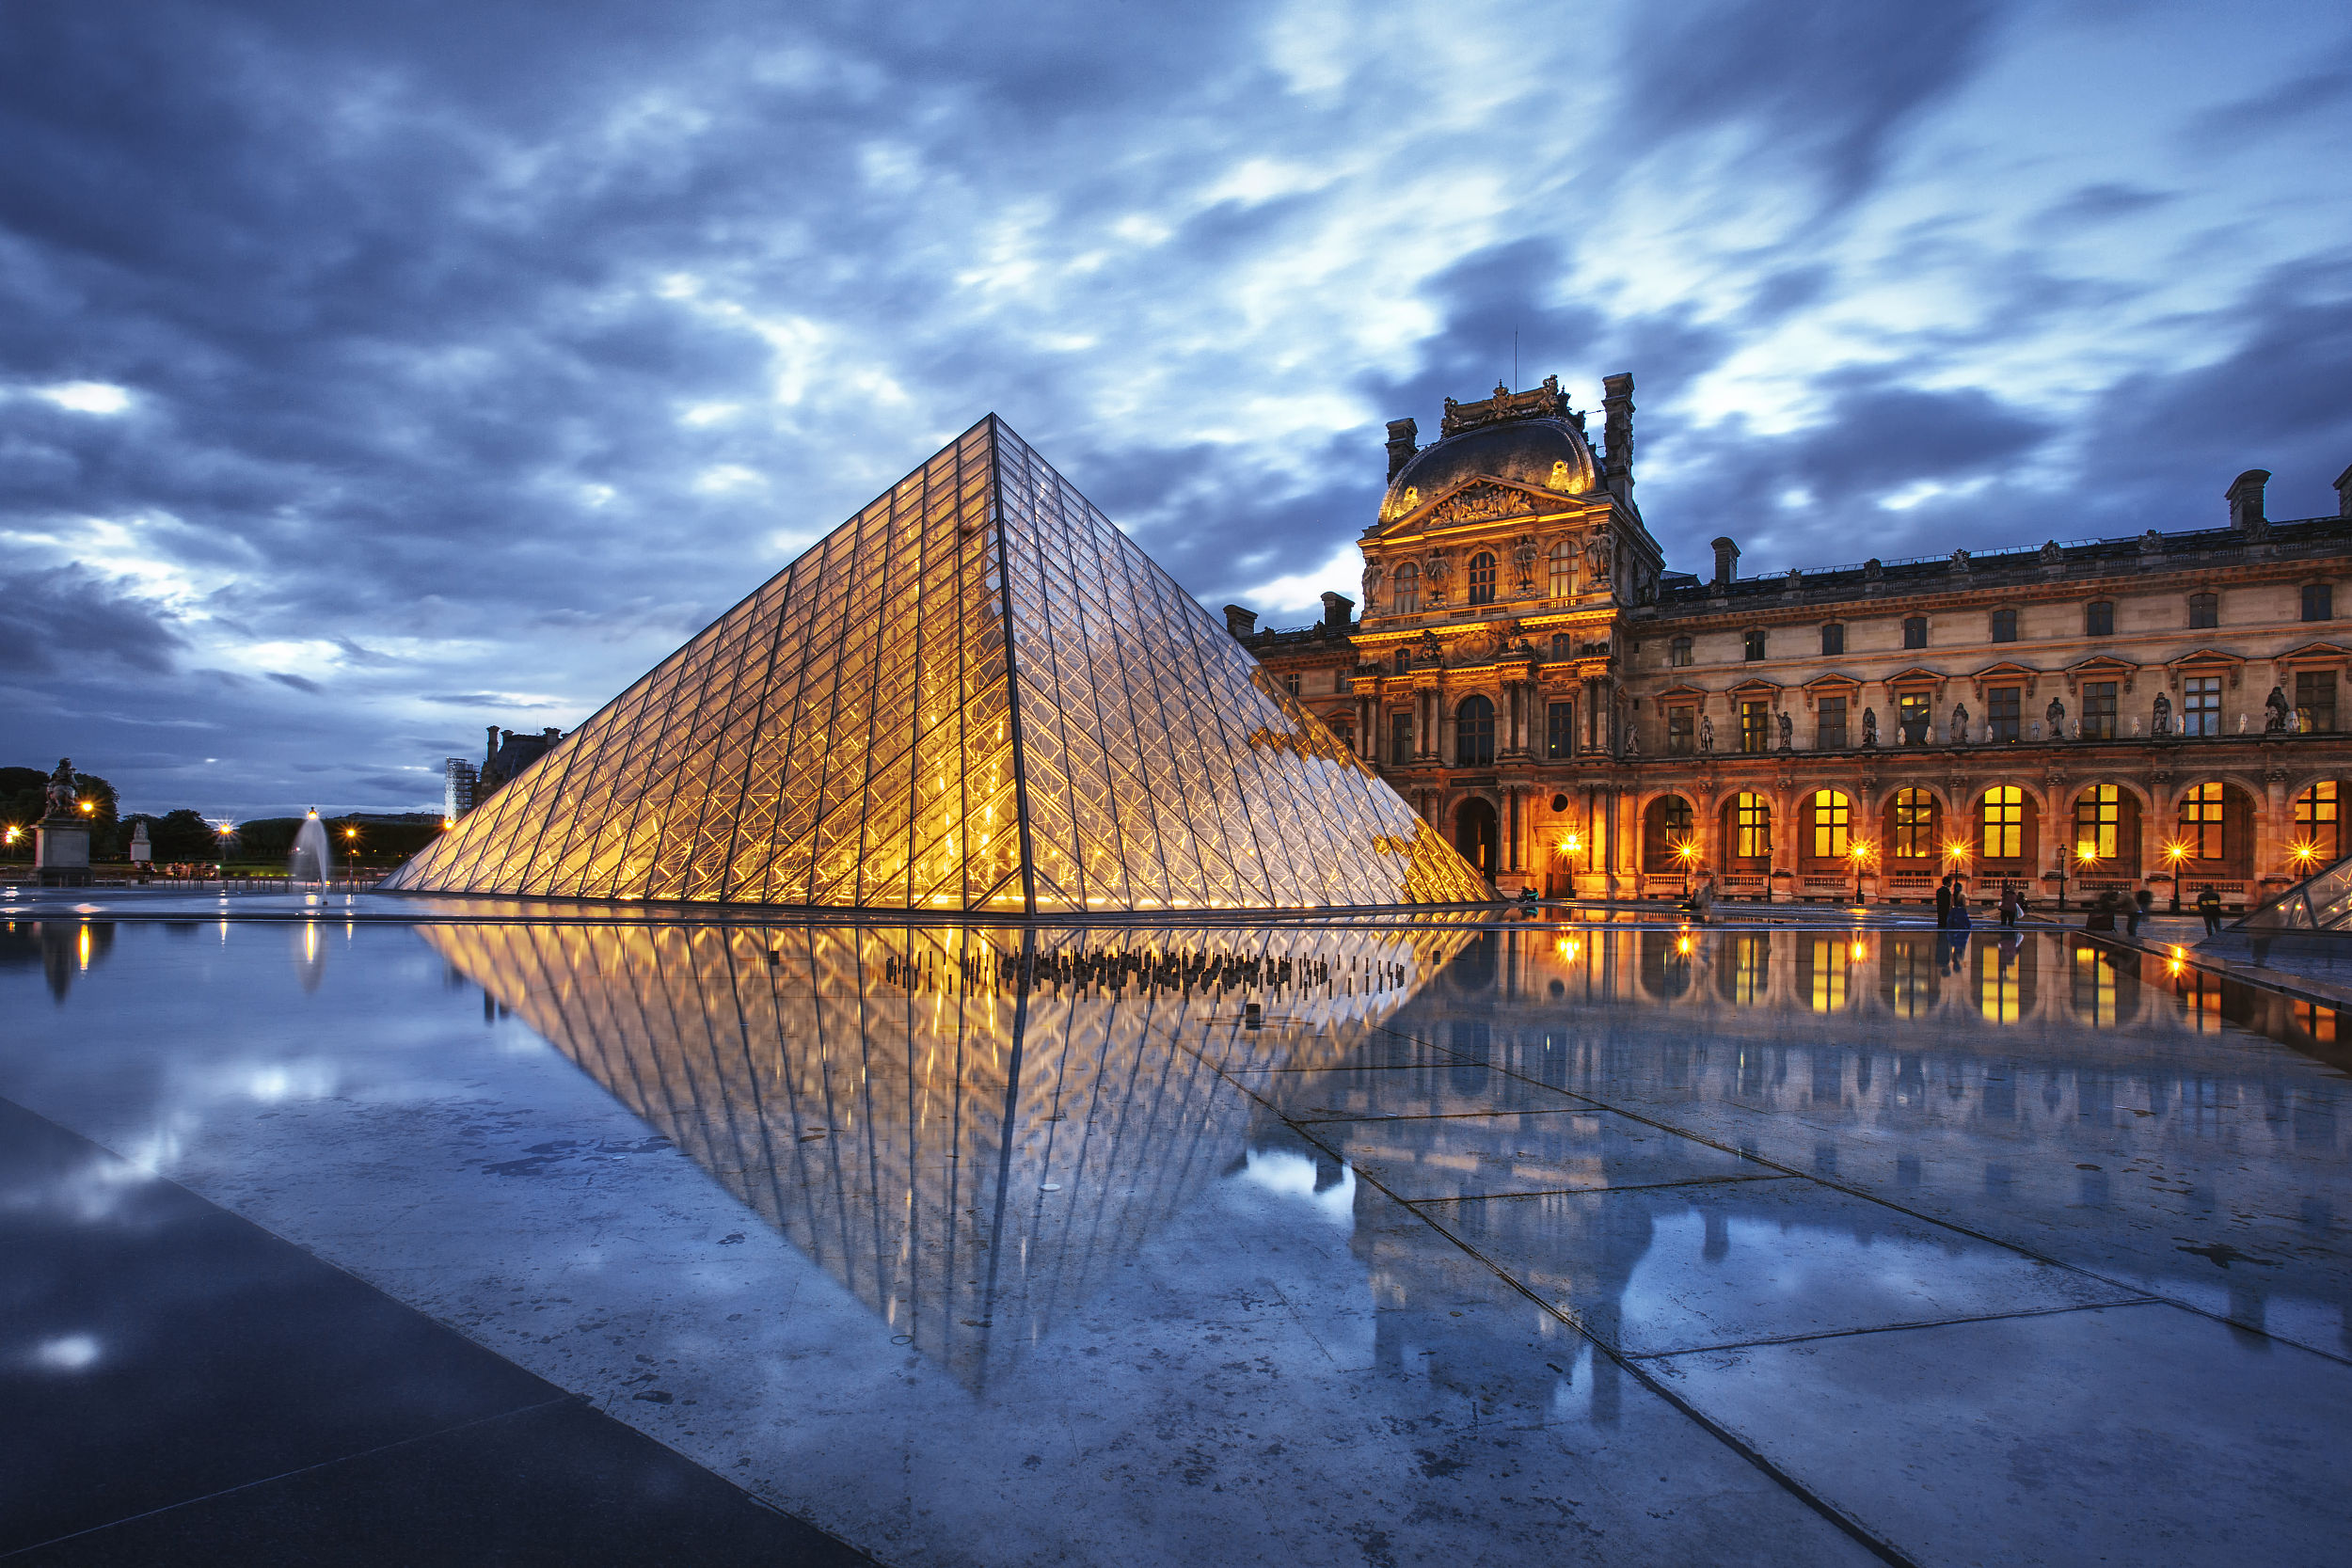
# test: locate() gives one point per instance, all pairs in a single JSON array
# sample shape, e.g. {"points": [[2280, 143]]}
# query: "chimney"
{"points": [[1726, 562], [2343, 493], [1242, 623], [2245, 495], [1401, 434], [490, 754], [1339, 613], [1616, 435]]}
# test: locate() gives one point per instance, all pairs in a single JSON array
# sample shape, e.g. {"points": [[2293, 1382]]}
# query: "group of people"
{"points": [[1952, 904]]}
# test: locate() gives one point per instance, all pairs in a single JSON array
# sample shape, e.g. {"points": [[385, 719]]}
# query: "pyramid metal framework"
{"points": [[976, 695]]}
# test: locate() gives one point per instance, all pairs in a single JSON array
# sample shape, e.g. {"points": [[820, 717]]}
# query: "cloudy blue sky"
{"points": [[369, 373]]}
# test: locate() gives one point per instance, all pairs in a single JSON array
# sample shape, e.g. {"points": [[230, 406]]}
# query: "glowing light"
{"points": [[1860, 950], [2085, 854], [1571, 844], [1568, 948], [1687, 851], [2303, 853], [89, 808], [448, 822], [1682, 944], [2176, 851], [1956, 850]]}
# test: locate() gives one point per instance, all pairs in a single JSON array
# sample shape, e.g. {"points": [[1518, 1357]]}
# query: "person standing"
{"points": [[1943, 903], [2209, 905], [2008, 904], [2142, 902]]}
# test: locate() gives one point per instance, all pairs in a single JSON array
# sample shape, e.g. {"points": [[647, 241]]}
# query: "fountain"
{"points": [[309, 862]]}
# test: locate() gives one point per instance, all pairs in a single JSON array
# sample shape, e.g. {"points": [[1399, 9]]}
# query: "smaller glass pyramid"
{"points": [[976, 695]]}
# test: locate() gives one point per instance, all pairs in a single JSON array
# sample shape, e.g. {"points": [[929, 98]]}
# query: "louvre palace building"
{"points": [[2158, 712]]}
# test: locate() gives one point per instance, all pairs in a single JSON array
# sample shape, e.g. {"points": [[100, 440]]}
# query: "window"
{"points": [[1912, 718], [1833, 823], [2098, 721], [1563, 647], [1482, 577], [1751, 827], [1915, 631], [2204, 610], [1404, 659], [2005, 626], [2315, 701], [2316, 818], [1404, 596], [1563, 569], [1666, 829], [1752, 646], [2003, 704], [1834, 638], [1343, 730], [1680, 727], [2098, 821], [1475, 733], [1678, 652], [1559, 732], [2099, 618], [2200, 705], [1831, 734], [1400, 738], [1290, 683], [2003, 816], [1912, 825], [1755, 725], [2200, 822], [2319, 601]]}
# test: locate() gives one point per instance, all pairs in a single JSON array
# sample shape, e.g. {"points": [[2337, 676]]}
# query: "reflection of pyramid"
{"points": [[895, 1100], [975, 695]]}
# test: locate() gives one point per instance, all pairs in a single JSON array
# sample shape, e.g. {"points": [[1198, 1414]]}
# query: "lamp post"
{"points": [[1686, 851], [1860, 855], [1955, 863], [2174, 853], [351, 857], [2086, 860]]}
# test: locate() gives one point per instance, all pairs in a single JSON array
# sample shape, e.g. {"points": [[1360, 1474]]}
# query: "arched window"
{"points": [[2099, 822], [1751, 827], [1832, 824], [1911, 825], [2318, 812], [1482, 577], [1475, 733], [1678, 652], [1404, 594], [1343, 731], [2005, 626], [2201, 813], [1667, 827], [2002, 817], [1563, 569]]}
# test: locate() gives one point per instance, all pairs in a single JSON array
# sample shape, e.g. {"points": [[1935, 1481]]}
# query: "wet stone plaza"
{"points": [[373, 1229]]}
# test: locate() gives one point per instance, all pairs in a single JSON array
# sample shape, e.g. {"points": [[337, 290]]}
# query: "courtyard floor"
{"points": [[371, 1230]]}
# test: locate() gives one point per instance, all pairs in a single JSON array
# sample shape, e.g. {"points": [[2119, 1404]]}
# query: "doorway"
{"points": [[1475, 835]]}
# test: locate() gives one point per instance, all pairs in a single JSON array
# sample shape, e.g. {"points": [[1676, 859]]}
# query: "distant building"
{"points": [[461, 782], [508, 754]]}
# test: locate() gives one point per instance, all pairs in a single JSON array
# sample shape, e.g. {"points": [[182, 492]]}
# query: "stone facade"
{"points": [[2106, 714]]}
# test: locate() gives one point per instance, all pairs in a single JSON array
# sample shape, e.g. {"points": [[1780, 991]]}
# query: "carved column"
{"points": [[2273, 831]]}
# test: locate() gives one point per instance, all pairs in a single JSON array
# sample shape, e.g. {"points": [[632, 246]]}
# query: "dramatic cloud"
{"points": [[370, 374]]}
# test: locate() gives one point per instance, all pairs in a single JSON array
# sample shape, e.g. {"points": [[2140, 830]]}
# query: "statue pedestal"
{"points": [[61, 854]]}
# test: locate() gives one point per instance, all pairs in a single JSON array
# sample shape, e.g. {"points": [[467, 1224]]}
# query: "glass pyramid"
{"points": [[978, 695]]}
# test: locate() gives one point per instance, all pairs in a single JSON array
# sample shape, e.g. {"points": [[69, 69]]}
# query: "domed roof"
{"points": [[1548, 454]]}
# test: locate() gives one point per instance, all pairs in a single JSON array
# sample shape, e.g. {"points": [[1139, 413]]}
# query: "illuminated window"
{"points": [[1405, 595], [2098, 722], [2098, 820], [1751, 827], [1343, 730], [2315, 824], [1912, 825], [2200, 822], [2003, 817], [1833, 823], [1912, 718], [1829, 732], [1915, 631], [1482, 577], [1563, 569], [2204, 610], [2099, 618], [2002, 712], [1563, 647], [2095, 988], [2314, 701], [1834, 638], [2000, 995], [1755, 725], [2319, 602], [1559, 731], [1475, 733], [1666, 828], [2200, 705], [2005, 626], [1678, 652], [1752, 646]]}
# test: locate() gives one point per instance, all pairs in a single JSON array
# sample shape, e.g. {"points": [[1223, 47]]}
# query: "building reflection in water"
{"points": [[970, 1128], [967, 1127]]}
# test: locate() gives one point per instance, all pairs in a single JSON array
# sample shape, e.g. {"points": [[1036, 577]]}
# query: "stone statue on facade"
{"points": [[1597, 559], [1373, 572], [1959, 723], [2151, 542], [2056, 714], [2278, 718], [2051, 553], [1787, 732], [1523, 556], [2160, 724], [1435, 569], [1959, 561], [1869, 726], [1796, 580], [1707, 733], [60, 796], [1632, 739]]}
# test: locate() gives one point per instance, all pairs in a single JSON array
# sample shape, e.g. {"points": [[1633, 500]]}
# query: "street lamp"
{"points": [[2174, 853], [351, 856], [1687, 853], [2303, 854], [2087, 860], [1860, 855]]}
